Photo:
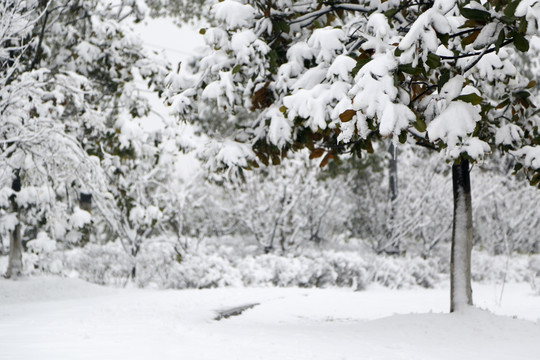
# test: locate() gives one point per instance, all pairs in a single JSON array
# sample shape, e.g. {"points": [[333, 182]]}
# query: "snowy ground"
{"points": [[53, 318]]}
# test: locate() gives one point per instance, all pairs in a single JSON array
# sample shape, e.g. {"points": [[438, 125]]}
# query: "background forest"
{"points": [[93, 185]]}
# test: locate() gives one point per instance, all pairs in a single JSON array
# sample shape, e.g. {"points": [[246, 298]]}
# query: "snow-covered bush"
{"points": [[106, 264], [534, 273], [397, 273], [486, 267], [349, 269], [41, 257], [202, 272]]}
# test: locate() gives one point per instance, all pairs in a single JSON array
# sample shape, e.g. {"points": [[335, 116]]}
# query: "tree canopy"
{"points": [[334, 76]]}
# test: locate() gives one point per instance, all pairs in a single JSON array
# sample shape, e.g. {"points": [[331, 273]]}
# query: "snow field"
{"points": [[54, 318]]}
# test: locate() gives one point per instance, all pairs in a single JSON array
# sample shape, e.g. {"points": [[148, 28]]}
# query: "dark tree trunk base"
{"points": [[462, 234]]}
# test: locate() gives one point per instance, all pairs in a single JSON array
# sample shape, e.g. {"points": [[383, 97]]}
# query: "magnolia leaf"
{"points": [[369, 146], [443, 79], [360, 64], [535, 180], [409, 69], [471, 98], [236, 69], [500, 40], [347, 115], [503, 104], [433, 61], [316, 153], [510, 9], [420, 125], [402, 137], [470, 39], [521, 43], [327, 158], [480, 16], [444, 38]]}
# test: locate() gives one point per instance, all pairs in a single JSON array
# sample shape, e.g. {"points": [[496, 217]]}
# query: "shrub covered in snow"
{"points": [[159, 264], [105, 264], [402, 272], [499, 267]]}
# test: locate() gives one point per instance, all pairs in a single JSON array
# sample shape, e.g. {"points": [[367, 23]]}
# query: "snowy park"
{"points": [[53, 318], [277, 179]]}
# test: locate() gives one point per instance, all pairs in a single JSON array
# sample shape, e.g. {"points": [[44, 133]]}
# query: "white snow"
{"points": [[234, 14], [42, 244], [80, 217], [326, 42], [279, 131], [455, 122], [529, 156], [53, 318]]}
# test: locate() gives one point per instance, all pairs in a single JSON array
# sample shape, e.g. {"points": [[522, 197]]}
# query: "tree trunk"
{"points": [[393, 245], [15, 265], [462, 236], [393, 174]]}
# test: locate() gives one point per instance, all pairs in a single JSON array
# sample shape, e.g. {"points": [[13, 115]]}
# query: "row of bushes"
{"points": [[160, 266]]}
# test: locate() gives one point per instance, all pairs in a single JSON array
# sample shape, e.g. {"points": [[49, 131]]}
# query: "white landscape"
{"points": [[278, 179], [54, 318]]}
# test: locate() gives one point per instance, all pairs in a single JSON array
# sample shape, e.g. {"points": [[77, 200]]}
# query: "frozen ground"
{"points": [[53, 318]]}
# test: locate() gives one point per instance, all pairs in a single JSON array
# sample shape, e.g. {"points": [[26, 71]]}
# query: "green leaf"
{"points": [[471, 98], [522, 28], [402, 137], [433, 61], [522, 94], [443, 79], [500, 40], [273, 55], [507, 20], [521, 43], [202, 31], [282, 26], [531, 84], [444, 38], [359, 64], [510, 9], [481, 16], [409, 69], [420, 125], [236, 69], [391, 12]]}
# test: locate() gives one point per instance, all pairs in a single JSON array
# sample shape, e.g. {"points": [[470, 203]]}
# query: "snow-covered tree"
{"points": [[335, 76], [67, 70], [284, 207]]}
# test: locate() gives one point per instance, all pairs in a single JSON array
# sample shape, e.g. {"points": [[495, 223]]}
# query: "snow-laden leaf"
{"points": [[234, 14], [529, 156], [454, 124]]}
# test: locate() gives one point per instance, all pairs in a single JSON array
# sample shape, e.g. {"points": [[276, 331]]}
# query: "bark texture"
{"points": [[462, 237]]}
